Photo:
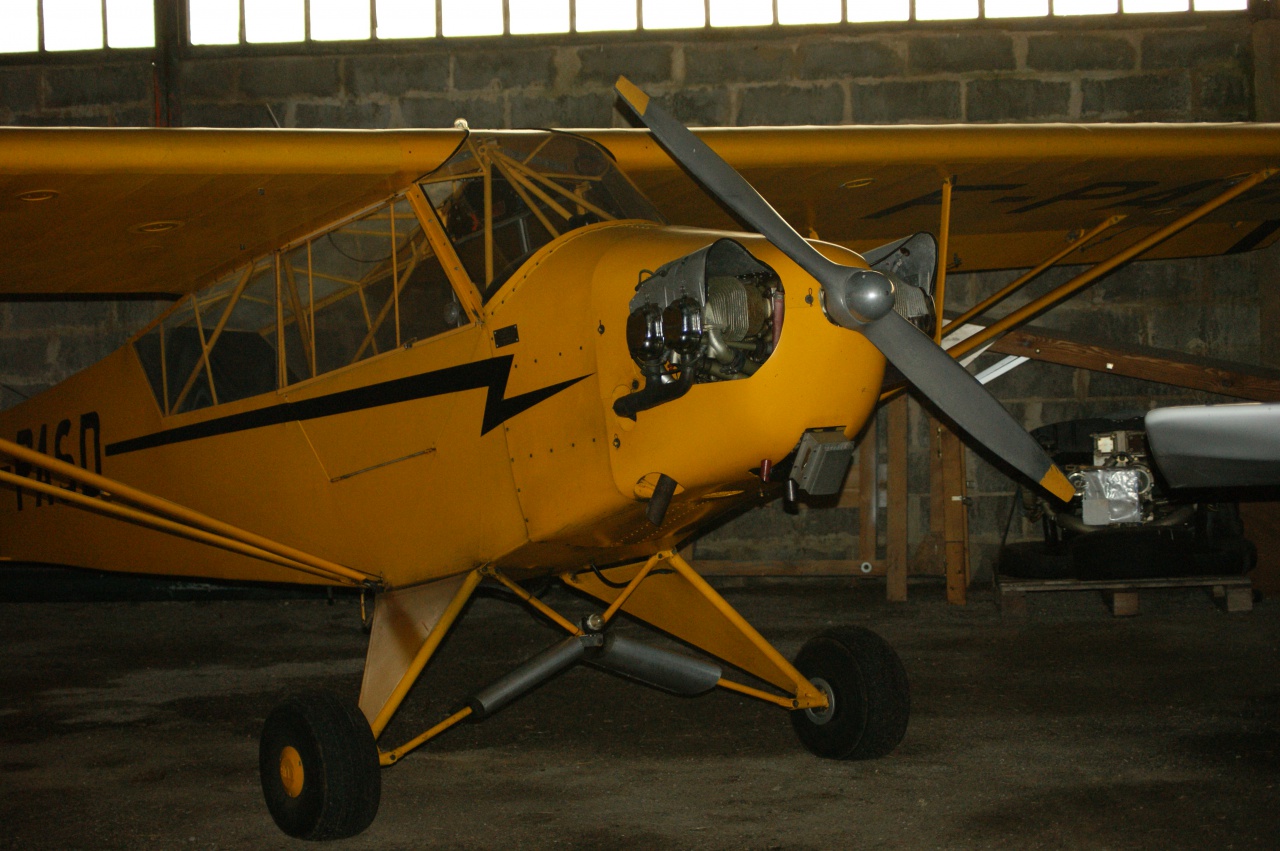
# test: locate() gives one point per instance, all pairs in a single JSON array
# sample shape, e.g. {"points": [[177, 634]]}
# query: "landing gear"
{"points": [[867, 693], [319, 767]]}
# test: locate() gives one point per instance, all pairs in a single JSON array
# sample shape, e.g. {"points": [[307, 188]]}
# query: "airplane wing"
{"points": [[1021, 192], [95, 211], [1212, 446], [115, 211]]}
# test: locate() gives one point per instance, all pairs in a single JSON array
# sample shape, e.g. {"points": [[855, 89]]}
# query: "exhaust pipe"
{"points": [[530, 675], [673, 672]]}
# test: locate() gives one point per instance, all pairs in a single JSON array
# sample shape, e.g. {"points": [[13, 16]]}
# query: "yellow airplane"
{"points": [[413, 362]]}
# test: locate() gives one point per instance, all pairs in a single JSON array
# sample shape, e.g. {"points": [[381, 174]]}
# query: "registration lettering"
{"points": [[60, 444]]}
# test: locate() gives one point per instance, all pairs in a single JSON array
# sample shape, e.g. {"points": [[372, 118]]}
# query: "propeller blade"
{"points": [[861, 300]]}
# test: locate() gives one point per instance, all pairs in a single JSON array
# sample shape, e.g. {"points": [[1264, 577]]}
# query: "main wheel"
{"points": [[868, 697], [319, 767]]}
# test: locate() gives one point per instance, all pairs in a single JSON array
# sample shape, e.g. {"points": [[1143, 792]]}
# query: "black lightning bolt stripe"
{"points": [[491, 374], [1255, 236]]}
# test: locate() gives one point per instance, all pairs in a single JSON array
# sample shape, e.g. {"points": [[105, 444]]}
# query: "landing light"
{"points": [[157, 227], [38, 195]]}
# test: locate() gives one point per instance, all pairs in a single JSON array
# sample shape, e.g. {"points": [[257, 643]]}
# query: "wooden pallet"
{"points": [[1234, 592]]}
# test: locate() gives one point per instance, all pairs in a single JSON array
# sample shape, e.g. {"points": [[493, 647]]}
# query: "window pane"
{"points": [[808, 11], [539, 16], [184, 360], [537, 189], [1017, 8], [72, 24], [879, 10], [21, 30], [295, 312], [672, 14], [1221, 5], [185, 338], [945, 10], [471, 17], [741, 13], [131, 23], [273, 21], [339, 20], [1084, 7], [243, 356], [1156, 5], [428, 305], [214, 21], [597, 15], [351, 285], [406, 18]]}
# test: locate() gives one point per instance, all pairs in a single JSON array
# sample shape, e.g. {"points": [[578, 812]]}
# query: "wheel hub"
{"points": [[291, 774], [822, 714]]}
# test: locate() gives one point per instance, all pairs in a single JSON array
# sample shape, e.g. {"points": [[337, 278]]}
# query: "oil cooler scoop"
{"points": [[822, 459]]}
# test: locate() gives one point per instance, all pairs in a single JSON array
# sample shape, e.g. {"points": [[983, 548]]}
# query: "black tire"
{"points": [[319, 767], [867, 686]]}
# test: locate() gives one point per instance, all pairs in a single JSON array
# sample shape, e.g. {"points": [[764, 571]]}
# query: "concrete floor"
{"points": [[130, 725]]}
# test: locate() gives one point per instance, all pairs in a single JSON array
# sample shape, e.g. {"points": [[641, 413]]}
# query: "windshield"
{"points": [[501, 198]]}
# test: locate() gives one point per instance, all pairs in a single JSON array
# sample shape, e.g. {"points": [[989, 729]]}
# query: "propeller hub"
{"points": [[858, 297]]}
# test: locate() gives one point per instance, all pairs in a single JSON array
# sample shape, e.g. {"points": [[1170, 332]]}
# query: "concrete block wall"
{"points": [[1144, 68], [1162, 68]]}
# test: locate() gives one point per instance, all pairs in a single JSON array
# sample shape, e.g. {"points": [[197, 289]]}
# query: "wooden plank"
{"points": [[1238, 600], [1228, 378], [956, 518], [1012, 603], [804, 567], [928, 557], [1262, 526], [1123, 604], [1037, 585], [896, 486], [867, 487]]}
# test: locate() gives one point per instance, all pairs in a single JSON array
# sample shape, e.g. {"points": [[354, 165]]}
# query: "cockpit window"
{"points": [[501, 198], [363, 287]]}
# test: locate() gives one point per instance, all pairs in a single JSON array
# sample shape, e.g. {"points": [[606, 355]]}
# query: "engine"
{"points": [[713, 315], [1117, 488]]}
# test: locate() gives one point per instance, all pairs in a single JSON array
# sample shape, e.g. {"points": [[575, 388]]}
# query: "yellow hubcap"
{"points": [[291, 772]]}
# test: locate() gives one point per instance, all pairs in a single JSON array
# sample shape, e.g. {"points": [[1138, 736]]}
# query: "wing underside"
{"points": [[99, 211], [1020, 192]]}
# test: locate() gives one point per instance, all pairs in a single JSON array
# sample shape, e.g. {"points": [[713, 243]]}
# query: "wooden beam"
{"points": [[1227, 378], [802, 567], [867, 488], [955, 518], [896, 485]]}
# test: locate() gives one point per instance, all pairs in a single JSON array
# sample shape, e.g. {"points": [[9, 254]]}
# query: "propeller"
{"points": [[860, 300]]}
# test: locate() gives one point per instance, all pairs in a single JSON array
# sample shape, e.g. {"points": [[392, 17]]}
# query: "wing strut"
{"points": [[122, 502], [1026, 278], [1052, 298]]}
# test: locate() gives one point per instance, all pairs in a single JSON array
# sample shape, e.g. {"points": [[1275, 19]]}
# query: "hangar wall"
{"points": [[1140, 68]]}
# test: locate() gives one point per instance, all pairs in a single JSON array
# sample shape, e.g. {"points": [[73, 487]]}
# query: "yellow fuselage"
{"points": [[412, 490]]}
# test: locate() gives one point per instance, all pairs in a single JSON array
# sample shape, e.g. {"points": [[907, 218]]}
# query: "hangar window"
{"points": [[260, 21], [29, 26], [56, 25], [500, 199]]}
